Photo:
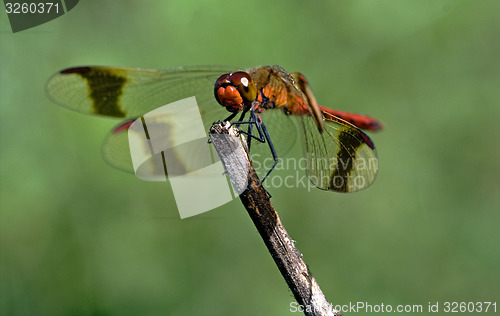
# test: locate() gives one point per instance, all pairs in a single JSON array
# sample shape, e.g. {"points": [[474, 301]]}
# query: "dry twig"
{"points": [[256, 200]]}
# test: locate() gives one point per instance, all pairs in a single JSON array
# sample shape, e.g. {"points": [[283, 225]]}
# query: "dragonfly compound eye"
{"points": [[235, 91]]}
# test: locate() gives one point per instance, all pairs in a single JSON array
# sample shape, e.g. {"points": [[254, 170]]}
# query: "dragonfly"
{"points": [[339, 155]]}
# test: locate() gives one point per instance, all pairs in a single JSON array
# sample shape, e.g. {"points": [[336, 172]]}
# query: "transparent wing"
{"points": [[282, 129], [342, 158], [132, 92], [116, 149], [283, 133]]}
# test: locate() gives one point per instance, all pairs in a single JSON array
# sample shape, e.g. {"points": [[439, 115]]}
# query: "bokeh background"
{"points": [[81, 238]]}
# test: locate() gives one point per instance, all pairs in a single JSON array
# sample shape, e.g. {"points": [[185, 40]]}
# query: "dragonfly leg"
{"points": [[271, 147], [263, 136], [230, 117], [254, 120], [249, 139], [250, 127]]}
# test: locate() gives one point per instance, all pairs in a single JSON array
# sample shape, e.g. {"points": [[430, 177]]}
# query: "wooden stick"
{"points": [[234, 157]]}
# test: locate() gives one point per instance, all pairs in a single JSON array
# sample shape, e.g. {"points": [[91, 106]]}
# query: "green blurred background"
{"points": [[81, 238]]}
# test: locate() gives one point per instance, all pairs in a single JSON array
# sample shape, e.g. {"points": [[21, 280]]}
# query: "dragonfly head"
{"points": [[235, 91]]}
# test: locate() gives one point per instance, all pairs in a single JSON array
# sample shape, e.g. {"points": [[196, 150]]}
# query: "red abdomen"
{"points": [[361, 121]]}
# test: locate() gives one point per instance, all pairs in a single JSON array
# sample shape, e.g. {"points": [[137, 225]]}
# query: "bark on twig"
{"points": [[256, 200]]}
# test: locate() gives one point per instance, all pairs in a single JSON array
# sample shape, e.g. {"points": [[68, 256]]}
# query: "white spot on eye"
{"points": [[244, 81]]}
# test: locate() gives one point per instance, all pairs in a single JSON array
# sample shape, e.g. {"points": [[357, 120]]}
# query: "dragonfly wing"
{"points": [[283, 133], [173, 159], [132, 92], [341, 158], [116, 149]]}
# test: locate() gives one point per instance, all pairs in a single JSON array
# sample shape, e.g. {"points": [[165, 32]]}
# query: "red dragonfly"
{"points": [[339, 156]]}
